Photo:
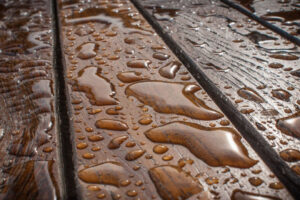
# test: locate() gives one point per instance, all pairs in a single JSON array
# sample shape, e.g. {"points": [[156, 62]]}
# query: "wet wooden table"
{"points": [[162, 99]]}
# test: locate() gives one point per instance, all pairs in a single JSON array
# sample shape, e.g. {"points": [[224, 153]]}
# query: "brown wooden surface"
{"points": [[241, 57], [29, 144], [143, 128], [284, 14]]}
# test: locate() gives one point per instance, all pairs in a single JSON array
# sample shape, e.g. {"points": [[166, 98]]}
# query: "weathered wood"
{"points": [[28, 138], [281, 16], [254, 67], [143, 128]]}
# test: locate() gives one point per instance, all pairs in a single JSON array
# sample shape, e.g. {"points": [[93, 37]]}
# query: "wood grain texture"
{"points": [[143, 128], [240, 57], [29, 154], [282, 13]]}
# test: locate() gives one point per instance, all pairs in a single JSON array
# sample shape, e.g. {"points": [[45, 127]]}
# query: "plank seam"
{"points": [[63, 114], [263, 22], [253, 137]]}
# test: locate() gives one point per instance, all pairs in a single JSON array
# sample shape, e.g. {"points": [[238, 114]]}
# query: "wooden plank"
{"points": [[143, 128], [283, 13], [28, 136], [236, 54], [281, 16]]}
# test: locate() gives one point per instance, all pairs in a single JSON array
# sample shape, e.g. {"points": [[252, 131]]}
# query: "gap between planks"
{"points": [[66, 149], [263, 22]]}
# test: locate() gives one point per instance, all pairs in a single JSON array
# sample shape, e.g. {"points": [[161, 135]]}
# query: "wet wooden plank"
{"points": [[28, 137], [143, 128], [256, 68], [282, 13]]}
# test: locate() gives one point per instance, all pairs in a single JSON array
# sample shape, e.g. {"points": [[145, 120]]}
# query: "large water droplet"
{"points": [[169, 70], [98, 89], [173, 183], [242, 195], [111, 173], [174, 98], [215, 146], [290, 125], [111, 124], [250, 94]]}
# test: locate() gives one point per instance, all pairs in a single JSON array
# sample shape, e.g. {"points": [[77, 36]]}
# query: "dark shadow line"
{"points": [[263, 22], [253, 137], [62, 99]]}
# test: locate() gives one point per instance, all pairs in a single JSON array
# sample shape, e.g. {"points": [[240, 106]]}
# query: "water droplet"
{"points": [[145, 120], [110, 173], [160, 56], [296, 73], [212, 180], [135, 154], [169, 70], [276, 186], [82, 145], [174, 98], [139, 63], [275, 65], [130, 76], [167, 157], [284, 57], [131, 193], [99, 90], [111, 124], [84, 30], [255, 181], [250, 94], [88, 155], [116, 142], [281, 94], [95, 138], [160, 149], [290, 125], [215, 146], [239, 195], [172, 182], [290, 155], [87, 50]]}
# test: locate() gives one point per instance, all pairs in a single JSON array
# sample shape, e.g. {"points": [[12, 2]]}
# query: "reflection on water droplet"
{"points": [[215, 146], [174, 98]]}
